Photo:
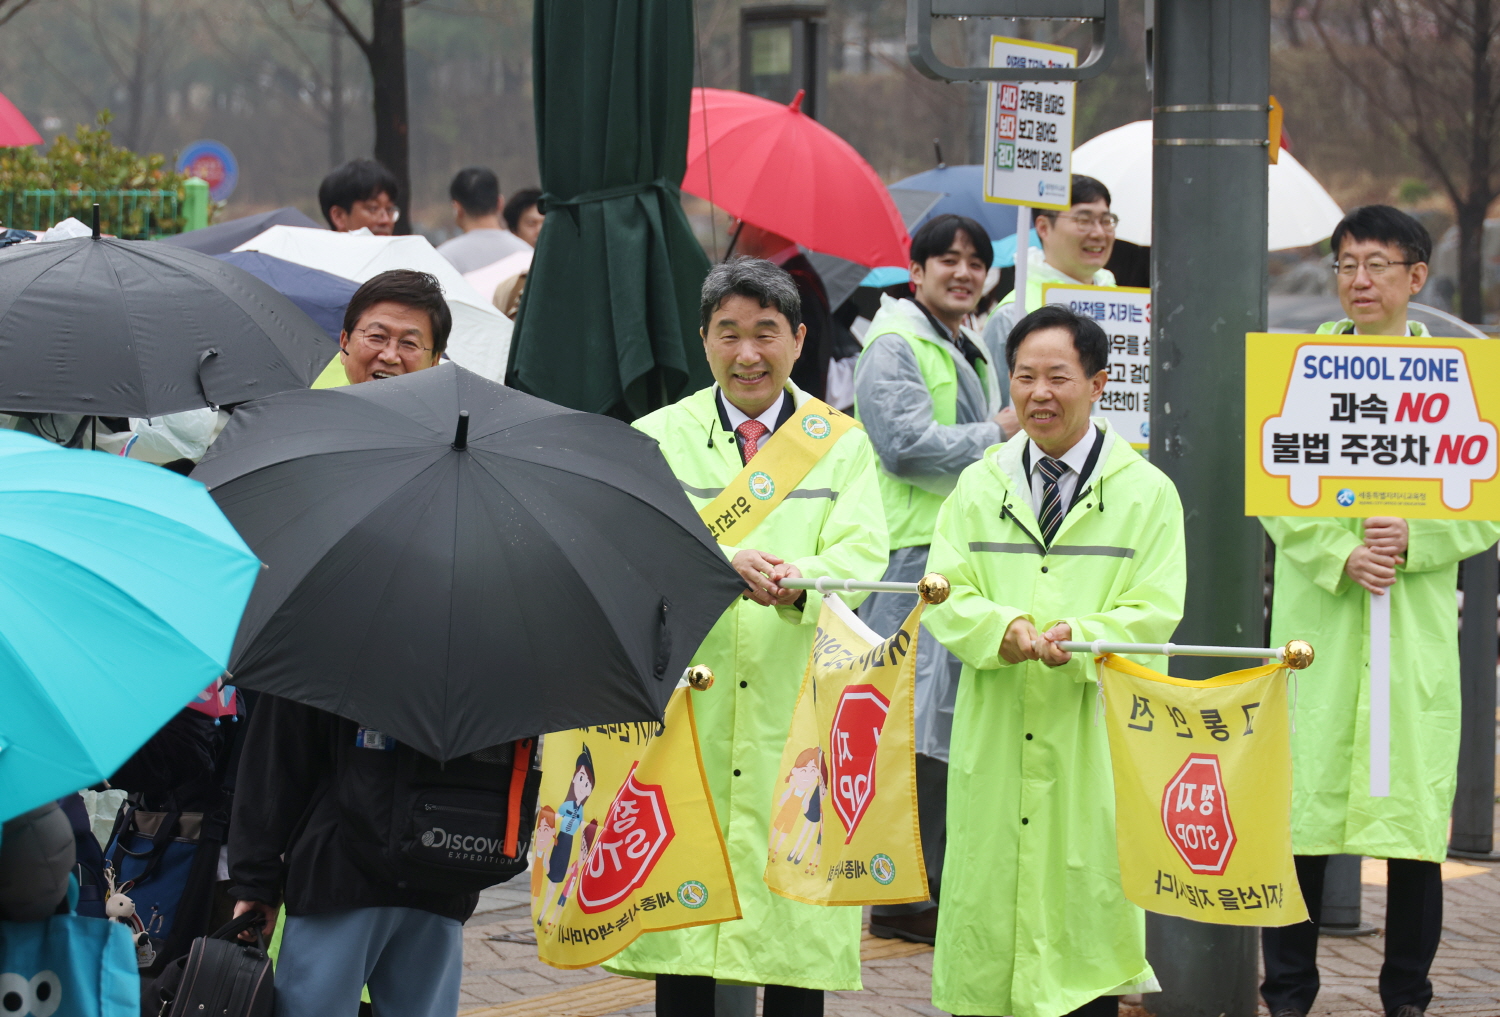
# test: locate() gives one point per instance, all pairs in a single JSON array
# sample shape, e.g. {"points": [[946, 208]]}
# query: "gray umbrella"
{"points": [[460, 581], [134, 328]]}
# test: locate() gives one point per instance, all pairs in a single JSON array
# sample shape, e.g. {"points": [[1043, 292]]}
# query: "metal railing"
{"points": [[130, 214]]}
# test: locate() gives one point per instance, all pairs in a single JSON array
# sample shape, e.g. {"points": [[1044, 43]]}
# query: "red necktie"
{"points": [[751, 432]]}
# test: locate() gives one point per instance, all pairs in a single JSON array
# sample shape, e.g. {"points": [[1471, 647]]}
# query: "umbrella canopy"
{"points": [[486, 279], [609, 318], [321, 295], [458, 585], [121, 586], [15, 129], [133, 328], [481, 335], [962, 189], [778, 168], [1301, 211], [223, 237]]}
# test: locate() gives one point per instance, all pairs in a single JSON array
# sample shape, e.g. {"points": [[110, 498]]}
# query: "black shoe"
{"points": [[1409, 1010], [1292, 1011], [918, 928]]}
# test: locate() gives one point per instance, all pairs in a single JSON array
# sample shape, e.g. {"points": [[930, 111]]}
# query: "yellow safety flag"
{"points": [[627, 840], [844, 813], [1203, 793]]}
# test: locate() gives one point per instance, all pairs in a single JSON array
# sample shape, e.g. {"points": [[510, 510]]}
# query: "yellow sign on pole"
{"points": [[1360, 426], [627, 840], [844, 815], [1203, 793]]}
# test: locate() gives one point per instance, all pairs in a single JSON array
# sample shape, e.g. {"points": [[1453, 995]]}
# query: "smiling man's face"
{"points": [[1382, 282], [950, 284], [1074, 248], [389, 339], [751, 350], [1052, 392]]}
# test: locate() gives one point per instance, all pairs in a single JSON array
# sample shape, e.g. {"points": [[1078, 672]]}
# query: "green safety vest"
{"points": [[910, 511]]}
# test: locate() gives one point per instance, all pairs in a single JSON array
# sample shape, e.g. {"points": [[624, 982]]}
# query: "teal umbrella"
{"points": [[609, 318], [121, 587]]}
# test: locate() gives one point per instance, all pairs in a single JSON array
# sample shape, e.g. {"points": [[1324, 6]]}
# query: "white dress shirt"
{"points": [[1076, 458], [738, 417]]}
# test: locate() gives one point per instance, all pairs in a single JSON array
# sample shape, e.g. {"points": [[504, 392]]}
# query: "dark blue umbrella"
{"points": [[321, 296], [962, 189]]}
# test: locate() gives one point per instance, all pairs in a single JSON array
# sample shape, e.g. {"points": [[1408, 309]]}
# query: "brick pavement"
{"points": [[503, 978]]}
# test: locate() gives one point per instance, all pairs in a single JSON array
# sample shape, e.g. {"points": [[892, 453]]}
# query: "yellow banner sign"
{"points": [[788, 456], [1203, 793], [608, 867], [1359, 426], [844, 814]]}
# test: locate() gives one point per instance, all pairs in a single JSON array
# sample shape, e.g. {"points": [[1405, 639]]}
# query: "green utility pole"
{"points": [[1210, 84]]}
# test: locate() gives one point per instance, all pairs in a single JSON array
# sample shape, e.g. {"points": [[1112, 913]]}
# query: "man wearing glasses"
{"points": [[361, 194], [1076, 246], [1323, 569], [396, 323]]}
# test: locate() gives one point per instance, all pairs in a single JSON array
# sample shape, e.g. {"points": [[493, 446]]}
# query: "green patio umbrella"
{"points": [[609, 319]]}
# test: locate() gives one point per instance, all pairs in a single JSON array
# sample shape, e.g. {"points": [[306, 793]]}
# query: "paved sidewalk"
{"points": [[503, 978]]}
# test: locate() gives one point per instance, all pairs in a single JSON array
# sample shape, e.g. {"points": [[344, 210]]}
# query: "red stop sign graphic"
{"points": [[855, 736], [1196, 815], [634, 835]]}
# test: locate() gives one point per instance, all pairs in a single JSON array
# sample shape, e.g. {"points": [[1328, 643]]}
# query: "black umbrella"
{"points": [[223, 237], [460, 581], [134, 328]]}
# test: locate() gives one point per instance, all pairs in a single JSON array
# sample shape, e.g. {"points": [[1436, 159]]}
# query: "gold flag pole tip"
{"points": [[1297, 654], [933, 588], [700, 678]]}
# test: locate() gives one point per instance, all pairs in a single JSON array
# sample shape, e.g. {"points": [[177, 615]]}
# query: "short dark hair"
{"points": [[518, 204], [413, 289], [356, 180], [1082, 190], [1088, 338], [937, 234], [477, 190], [1384, 225], [755, 278]]}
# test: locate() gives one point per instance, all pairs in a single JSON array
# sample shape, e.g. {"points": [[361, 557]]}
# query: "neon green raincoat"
{"points": [[833, 524], [1033, 921], [1332, 811]]}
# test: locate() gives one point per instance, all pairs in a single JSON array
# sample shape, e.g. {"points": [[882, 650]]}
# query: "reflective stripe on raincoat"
{"points": [[1033, 921], [831, 525]]}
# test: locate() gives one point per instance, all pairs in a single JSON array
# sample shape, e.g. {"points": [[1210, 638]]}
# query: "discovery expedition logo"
{"points": [[462, 848]]}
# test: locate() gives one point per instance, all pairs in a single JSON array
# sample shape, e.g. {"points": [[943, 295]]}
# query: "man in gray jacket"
{"points": [[930, 402]]}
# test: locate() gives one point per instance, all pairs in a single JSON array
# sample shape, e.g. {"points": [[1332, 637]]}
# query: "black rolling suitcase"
{"points": [[221, 976]]}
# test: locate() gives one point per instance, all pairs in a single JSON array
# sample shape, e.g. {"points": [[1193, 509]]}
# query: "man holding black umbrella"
{"points": [[788, 487], [344, 928]]}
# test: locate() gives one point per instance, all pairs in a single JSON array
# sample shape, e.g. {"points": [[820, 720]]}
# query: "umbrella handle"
{"points": [[203, 358]]}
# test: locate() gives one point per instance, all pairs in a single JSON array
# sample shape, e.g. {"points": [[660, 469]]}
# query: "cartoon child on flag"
{"points": [[801, 780], [569, 818]]}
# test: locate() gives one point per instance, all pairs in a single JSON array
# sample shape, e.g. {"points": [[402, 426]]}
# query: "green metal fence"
{"points": [[133, 215]]}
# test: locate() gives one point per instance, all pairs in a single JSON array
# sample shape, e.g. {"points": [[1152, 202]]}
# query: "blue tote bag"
{"points": [[68, 966]]}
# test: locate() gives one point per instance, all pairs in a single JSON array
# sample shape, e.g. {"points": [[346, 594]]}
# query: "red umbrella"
{"points": [[776, 167], [14, 128]]}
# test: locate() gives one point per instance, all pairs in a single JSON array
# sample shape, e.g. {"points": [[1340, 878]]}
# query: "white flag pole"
{"points": [[1380, 694], [1023, 255]]}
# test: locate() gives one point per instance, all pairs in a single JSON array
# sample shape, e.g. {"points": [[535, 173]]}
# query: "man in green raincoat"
{"points": [[829, 522], [1061, 533], [1323, 569]]}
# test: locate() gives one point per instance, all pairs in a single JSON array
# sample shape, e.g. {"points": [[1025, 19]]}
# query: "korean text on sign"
{"points": [[1367, 426], [1029, 131], [1124, 312]]}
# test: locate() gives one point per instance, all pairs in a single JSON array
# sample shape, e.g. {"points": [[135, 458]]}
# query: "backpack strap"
{"points": [[520, 763]]}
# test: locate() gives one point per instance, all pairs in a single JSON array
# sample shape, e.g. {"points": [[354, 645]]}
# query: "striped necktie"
{"points": [[1051, 515]]}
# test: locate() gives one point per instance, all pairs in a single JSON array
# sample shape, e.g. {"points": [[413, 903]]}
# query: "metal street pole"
{"points": [[1474, 803], [1211, 81]]}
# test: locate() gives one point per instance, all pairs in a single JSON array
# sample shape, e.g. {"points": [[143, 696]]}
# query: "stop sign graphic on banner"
{"points": [[854, 738], [1196, 815], [635, 833]]}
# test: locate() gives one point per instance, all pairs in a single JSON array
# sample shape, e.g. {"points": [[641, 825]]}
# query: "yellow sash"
{"points": [[787, 456]]}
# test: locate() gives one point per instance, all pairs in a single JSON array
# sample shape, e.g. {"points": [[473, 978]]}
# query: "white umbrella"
{"points": [[1302, 212], [480, 340], [485, 280]]}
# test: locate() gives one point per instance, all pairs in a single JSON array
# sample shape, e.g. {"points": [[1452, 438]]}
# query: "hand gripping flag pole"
{"points": [[933, 588]]}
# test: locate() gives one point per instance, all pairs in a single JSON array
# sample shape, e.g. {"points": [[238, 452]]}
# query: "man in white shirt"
{"points": [[476, 209], [1076, 246]]}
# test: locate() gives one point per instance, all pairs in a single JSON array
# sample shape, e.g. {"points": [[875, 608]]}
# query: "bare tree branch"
{"points": [[360, 39]]}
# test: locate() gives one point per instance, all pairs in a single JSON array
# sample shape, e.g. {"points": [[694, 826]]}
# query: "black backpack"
{"points": [[220, 975], [451, 828]]}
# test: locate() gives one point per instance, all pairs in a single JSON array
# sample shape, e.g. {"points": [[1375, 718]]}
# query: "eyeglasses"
{"points": [[375, 210], [376, 341], [1085, 222], [1377, 267]]}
